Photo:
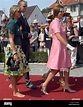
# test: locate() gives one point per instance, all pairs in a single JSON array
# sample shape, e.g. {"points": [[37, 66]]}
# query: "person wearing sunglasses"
{"points": [[16, 64], [25, 39], [59, 58]]}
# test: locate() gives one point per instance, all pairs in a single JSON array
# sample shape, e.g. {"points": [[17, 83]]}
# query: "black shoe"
{"points": [[31, 85]]}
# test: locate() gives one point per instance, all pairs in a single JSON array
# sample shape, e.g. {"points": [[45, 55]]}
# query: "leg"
{"points": [[77, 61], [45, 75], [66, 78], [26, 76], [48, 51], [17, 79], [73, 58], [61, 80], [15, 90], [50, 76], [29, 84]]}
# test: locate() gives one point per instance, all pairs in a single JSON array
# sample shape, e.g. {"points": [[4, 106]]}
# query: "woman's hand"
{"points": [[29, 35], [70, 47], [16, 58], [70, 37]]}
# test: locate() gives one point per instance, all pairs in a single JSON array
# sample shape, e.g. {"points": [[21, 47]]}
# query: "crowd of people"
{"points": [[58, 37]]}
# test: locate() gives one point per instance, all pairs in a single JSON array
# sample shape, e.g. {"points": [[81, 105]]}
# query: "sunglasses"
{"points": [[24, 6], [19, 11], [61, 11]]}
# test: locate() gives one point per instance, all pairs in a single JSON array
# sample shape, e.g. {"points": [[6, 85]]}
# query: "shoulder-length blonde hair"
{"points": [[13, 9]]}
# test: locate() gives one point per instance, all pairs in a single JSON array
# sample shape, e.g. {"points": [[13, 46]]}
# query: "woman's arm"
{"points": [[33, 40], [76, 33], [61, 39], [11, 39]]}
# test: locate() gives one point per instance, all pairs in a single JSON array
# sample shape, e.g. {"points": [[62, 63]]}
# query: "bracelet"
{"points": [[14, 53], [73, 35]]}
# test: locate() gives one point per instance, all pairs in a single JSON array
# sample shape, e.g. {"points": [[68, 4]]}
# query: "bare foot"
{"points": [[17, 94]]}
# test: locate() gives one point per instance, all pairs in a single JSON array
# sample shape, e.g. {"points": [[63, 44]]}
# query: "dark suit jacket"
{"points": [[25, 27], [25, 39], [80, 31]]}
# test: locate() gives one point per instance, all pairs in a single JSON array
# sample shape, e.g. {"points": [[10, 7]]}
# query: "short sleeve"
{"points": [[56, 26], [11, 27], [36, 34]]}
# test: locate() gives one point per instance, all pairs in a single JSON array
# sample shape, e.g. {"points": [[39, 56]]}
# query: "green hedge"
{"points": [[2, 57], [37, 57]]}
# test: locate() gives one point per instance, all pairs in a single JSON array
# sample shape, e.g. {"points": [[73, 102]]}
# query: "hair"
{"points": [[13, 9], [56, 10], [32, 26], [68, 19], [19, 3]]}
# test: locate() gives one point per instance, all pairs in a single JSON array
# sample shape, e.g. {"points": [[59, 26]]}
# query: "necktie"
{"points": [[25, 18]]}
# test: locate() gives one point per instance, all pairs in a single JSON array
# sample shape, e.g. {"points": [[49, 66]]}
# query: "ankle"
{"points": [[66, 86]]}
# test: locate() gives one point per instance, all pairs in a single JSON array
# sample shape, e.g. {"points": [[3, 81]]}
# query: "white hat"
{"points": [[35, 21], [50, 16]]}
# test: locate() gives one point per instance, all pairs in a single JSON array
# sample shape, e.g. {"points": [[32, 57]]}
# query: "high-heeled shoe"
{"points": [[68, 89], [43, 89]]}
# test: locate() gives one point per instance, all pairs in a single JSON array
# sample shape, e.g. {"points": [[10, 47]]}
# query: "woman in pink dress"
{"points": [[59, 59]]}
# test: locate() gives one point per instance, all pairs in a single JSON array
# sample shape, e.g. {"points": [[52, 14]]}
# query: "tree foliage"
{"points": [[45, 10]]}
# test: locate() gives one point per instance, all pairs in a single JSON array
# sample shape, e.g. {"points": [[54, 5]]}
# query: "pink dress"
{"points": [[59, 58]]}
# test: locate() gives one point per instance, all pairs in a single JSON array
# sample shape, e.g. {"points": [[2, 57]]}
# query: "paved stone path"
{"points": [[40, 69]]}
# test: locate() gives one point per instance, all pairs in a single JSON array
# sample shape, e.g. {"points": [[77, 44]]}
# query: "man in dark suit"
{"points": [[25, 39]]}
